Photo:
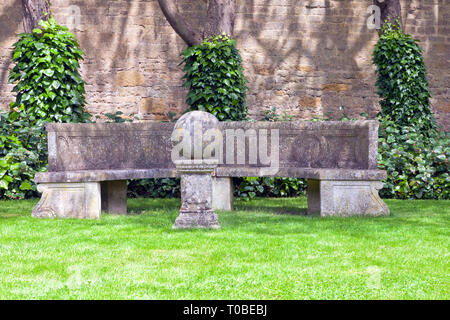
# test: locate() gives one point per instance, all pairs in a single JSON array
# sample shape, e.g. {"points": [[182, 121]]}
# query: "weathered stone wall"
{"points": [[306, 57]]}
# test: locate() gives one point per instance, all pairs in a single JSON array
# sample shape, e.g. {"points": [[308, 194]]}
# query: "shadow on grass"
{"points": [[261, 216], [145, 205], [293, 211]]}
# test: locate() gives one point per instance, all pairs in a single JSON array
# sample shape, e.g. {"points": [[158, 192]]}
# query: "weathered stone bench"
{"points": [[90, 163]]}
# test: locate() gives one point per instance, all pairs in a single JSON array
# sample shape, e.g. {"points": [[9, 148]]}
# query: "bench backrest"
{"points": [[116, 146]]}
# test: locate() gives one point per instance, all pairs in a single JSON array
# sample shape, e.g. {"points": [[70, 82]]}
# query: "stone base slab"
{"points": [[197, 219], [345, 198], [69, 200]]}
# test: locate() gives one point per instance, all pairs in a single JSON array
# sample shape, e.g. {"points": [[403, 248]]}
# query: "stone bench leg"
{"points": [[222, 198], [69, 200], [114, 196], [345, 198]]}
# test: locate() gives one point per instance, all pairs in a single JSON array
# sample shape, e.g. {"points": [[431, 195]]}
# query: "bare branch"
{"points": [[178, 23]]}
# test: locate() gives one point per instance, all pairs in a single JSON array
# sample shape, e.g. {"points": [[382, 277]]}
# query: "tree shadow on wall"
{"points": [[130, 35], [332, 39]]}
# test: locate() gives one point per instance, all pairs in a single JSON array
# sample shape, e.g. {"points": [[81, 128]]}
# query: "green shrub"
{"points": [[412, 151], [249, 187], [215, 78], [23, 152], [48, 84], [402, 80], [49, 89], [417, 164], [216, 83], [154, 188]]}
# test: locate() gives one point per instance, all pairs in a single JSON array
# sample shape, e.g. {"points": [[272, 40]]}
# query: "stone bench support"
{"points": [[114, 196], [83, 200], [69, 200], [345, 198]]}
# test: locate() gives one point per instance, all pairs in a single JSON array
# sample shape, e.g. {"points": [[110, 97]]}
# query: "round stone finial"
{"points": [[188, 120], [194, 137]]}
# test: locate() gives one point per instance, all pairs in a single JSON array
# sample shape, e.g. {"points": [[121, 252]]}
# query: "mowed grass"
{"points": [[266, 249]]}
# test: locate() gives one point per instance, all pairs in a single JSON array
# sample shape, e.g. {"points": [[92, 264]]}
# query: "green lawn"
{"points": [[267, 249]]}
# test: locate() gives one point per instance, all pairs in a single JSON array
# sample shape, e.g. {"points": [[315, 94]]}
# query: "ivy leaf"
{"points": [[24, 186]]}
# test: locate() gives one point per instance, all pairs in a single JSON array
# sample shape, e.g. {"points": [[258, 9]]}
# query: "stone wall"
{"points": [[306, 57]]}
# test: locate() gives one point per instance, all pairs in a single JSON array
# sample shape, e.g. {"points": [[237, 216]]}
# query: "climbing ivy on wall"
{"points": [[49, 88], [46, 77], [402, 79], [411, 149], [215, 78]]}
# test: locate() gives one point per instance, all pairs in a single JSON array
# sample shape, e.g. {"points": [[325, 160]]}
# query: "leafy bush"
{"points": [[48, 84], [402, 79], [215, 79], [154, 188], [412, 151], [417, 164], [49, 89], [249, 187], [23, 152]]}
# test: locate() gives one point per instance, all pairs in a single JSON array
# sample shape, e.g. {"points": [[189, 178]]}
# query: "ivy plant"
{"points": [[215, 78], [411, 149], [402, 79], [46, 77], [23, 152]]}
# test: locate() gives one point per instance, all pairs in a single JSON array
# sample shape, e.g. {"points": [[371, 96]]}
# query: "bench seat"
{"points": [[103, 175], [132, 174]]}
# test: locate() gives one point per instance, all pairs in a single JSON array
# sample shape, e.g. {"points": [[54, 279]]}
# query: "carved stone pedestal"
{"points": [[195, 161], [345, 198], [69, 200], [196, 198]]}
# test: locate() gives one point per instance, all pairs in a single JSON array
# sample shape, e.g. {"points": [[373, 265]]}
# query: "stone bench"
{"points": [[90, 163]]}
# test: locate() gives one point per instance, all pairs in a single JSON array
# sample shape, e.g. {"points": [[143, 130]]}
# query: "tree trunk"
{"points": [[178, 23], [33, 11], [220, 19], [391, 11]]}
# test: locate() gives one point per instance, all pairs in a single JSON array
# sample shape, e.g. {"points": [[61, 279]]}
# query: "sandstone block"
{"points": [[152, 106], [336, 87], [304, 68], [310, 102], [129, 79]]}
